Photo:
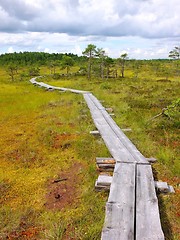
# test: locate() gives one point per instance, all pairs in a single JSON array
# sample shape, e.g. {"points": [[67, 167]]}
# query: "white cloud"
{"points": [[76, 50], [65, 25], [155, 18], [10, 50]]}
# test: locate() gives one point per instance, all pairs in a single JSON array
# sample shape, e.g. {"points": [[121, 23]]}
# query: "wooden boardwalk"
{"points": [[132, 211]]}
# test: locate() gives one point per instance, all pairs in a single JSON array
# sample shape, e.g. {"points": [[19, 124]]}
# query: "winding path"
{"points": [[132, 211]]}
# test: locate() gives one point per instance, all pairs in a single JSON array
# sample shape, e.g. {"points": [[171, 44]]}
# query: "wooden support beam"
{"points": [[101, 160], [95, 132], [100, 188], [126, 130], [104, 180], [163, 187], [103, 183], [171, 189], [151, 160], [109, 167], [105, 164], [110, 110]]}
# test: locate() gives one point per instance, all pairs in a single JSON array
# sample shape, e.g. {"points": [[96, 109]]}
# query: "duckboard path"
{"points": [[132, 211]]}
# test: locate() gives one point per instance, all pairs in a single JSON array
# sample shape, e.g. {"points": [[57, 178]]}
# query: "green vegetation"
{"points": [[45, 137]]}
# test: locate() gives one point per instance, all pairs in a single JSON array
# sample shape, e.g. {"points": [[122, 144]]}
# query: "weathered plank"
{"points": [[151, 160], [112, 114], [113, 143], [105, 164], [50, 87], [171, 189], [94, 106], [96, 101], [163, 187], [101, 160], [119, 220], [101, 187], [148, 226], [95, 132], [115, 234], [124, 139], [108, 167], [33, 81], [104, 180]]}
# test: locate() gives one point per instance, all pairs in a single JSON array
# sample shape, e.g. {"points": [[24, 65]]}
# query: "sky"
{"points": [[144, 29]]}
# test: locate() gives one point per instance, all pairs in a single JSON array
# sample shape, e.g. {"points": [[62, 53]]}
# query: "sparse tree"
{"points": [[108, 64], [66, 63], [101, 54], [122, 61], [175, 53], [34, 71], [90, 52], [52, 66], [12, 71], [136, 66]]}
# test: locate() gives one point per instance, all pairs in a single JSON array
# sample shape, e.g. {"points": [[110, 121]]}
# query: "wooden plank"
{"points": [[109, 167], [95, 132], [101, 187], [171, 189], [33, 80], [113, 143], [77, 91], [115, 234], [148, 226], [124, 139], [104, 180], [151, 160], [162, 187], [96, 102], [124, 175], [126, 129], [101, 160], [119, 220], [50, 87], [89, 102], [105, 164]]}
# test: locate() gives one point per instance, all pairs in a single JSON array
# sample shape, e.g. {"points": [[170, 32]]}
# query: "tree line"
{"points": [[93, 62]]}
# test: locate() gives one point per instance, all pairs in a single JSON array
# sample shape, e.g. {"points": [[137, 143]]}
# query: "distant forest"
{"points": [[26, 58], [94, 62]]}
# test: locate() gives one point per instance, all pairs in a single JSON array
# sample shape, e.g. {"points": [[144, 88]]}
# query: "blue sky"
{"points": [[145, 29]]}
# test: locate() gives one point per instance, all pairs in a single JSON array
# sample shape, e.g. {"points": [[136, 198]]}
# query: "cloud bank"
{"points": [[148, 19]]}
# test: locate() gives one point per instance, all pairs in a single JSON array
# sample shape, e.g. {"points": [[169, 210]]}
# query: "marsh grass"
{"points": [[44, 133], [135, 102]]}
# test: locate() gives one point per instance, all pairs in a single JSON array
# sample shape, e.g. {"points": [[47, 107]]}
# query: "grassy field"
{"points": [[45, 137]]}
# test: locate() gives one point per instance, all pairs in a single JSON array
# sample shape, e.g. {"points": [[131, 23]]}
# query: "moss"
{"points": [[44, 133]]}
